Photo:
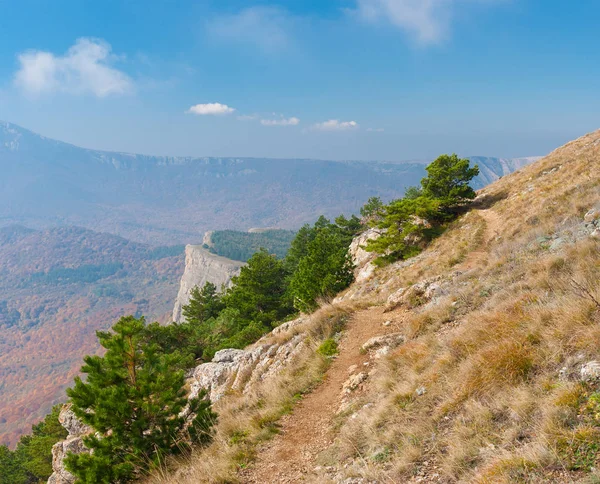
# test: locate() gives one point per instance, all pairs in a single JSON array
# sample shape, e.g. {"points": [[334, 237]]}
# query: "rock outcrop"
{"points": [[239, 370], [417, 294], [363, 260], [73, 444], [201, 267], [590, 371]]}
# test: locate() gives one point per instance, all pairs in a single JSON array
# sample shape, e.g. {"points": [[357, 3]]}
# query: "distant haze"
{"points": [[169, 200]]}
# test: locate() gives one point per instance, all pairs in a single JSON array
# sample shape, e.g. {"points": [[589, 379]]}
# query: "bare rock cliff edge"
{"points": [[201, 267]]}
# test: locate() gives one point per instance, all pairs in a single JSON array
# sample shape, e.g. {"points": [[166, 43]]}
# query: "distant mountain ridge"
{"points": [[168, 200]]}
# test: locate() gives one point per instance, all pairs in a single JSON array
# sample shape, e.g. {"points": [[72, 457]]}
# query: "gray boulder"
{"points": [[387, 340], [590, 371]]}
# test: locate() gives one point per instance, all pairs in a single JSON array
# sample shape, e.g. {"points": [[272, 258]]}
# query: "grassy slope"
{"points": [[498, 355], [489, 352]]}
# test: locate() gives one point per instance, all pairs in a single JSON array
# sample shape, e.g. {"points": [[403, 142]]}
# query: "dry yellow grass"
{"points": [[496, 409]]}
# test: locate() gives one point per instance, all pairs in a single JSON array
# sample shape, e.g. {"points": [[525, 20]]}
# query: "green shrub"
{"points": [[328, 348]]}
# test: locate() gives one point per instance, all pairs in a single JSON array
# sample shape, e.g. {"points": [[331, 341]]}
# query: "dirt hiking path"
{"points": [[492, 230], [290, 456]]}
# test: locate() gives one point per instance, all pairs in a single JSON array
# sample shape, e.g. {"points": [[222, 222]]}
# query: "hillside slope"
{"points": [[170, 200], [485, 367], [57, 287]]}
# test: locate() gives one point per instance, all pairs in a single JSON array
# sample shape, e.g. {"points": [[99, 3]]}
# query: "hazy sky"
{"points": [[337, 79]]}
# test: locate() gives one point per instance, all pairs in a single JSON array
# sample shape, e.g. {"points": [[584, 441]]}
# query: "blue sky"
{"points": [[335, 79]]}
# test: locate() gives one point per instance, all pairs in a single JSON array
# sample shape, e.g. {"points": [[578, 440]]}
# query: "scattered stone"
{"points": [[353, 382], [381, 352], [416, 295], [590, 371], [391, 340], [592, 215], [387, 323], [395, 299], [563, 374], [352, 369], [557, 244], [420, 391]]}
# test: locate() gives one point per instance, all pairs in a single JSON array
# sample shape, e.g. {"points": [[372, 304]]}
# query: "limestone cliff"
{"points": [[201, 267]]}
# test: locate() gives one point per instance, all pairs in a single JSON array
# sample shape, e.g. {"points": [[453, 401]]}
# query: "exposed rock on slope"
{"points": [[73, 444], [241, 370], [363, 260], [201, 267]]}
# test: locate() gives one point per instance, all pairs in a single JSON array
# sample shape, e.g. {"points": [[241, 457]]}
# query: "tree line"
{"points": [[241, 246]]}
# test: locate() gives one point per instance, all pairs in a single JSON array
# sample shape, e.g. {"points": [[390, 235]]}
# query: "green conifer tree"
{"points": [[258, 292], [133, 398], [448, 180], [411, 222], [325, 270], [204, 304]]}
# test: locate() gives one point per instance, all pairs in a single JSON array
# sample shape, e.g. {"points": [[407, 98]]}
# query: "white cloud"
{"points": [[85, 68], [427, 20], [247, 117], [210, 109], [263, 27], [293, 121], [335, 125]]}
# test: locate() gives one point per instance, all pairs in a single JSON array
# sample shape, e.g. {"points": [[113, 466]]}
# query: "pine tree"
{"points": [[325, 270], [258, 292], [203, 305], [411, 222], [372, 209], [11, 467], [31, 461], [35, 450], [448, 180], [133, 398]]}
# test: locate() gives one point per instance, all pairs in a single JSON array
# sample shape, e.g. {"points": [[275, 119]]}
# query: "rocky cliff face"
{"points": [[201, 267], [72, 445]]}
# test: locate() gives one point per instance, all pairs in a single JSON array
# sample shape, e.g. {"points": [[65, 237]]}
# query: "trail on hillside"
{"points": [[492, 230], [290, 456]]}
